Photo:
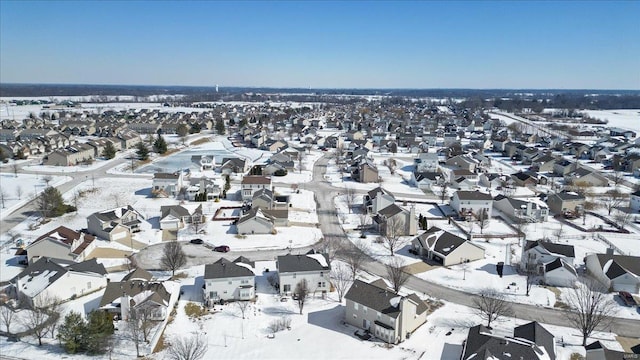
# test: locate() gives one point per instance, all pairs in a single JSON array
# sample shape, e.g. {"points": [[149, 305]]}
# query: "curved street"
{"points": [[325, 194]]}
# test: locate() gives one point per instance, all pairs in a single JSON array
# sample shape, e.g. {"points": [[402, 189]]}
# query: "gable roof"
{"points": [[537, 334], [44, 272], [482, 344], [554, 248], [224, 268], [256, 179], [472, 195], [138, 274], [374, 297], [295, 263], [67, 237], [616, 265], [155, 291]]}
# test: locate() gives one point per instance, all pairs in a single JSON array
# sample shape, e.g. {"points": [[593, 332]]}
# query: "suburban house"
{"points": [[565, 201], [204, 162], [463, 162], [560, 273], [615, 272], [72, 155], [397, 221], [252, 183], [379, 310], [267, 200], [138, 291], [529, 341], [49, 278], [255, 221], [115, 224], [176, 217], [425, 180], [582, 176], [491, 180], [467, 203], [523, 179], [312, 266], [167, 184], [365, 172], [521, 210], [61, 243], [226, 280], [234, 166], [597, 351], [446, 248], [537, 253], [426, 162], [377, 199], [562, 167]]}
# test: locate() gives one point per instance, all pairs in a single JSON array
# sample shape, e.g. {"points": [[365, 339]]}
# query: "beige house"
{"points": [[71, 155], [446, 248], [564, 201], [386, 315], [61, 243], [252, 183], [115, 224]]}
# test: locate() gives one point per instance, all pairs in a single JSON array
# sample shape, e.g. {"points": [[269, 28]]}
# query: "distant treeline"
{"points": [[506, 99]]}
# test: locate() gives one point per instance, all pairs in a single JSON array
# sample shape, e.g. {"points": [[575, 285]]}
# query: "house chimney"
{"points": [[609, 251]]}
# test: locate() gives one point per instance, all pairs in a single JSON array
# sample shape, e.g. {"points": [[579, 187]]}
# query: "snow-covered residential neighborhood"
{"points": [[280, 230]]}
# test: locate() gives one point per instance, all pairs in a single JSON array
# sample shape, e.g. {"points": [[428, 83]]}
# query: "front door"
{"points": [[366, 324]]}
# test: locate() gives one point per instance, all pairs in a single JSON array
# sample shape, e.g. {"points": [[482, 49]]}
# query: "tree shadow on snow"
{"points": [[192, 292]]}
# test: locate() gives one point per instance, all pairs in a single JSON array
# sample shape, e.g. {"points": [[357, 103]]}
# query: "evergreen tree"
{"points": [[98, 328], [142, 151], [109, 151], [227, 183], [220, 129], [232, 122], [51, 204], [195, 128], [71, 332], [160, 145]]}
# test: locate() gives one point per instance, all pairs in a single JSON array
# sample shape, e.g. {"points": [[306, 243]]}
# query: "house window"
{"points": [[89, 285], [213, 294], [321, 274], [378, 316], [355, 306], [364, 310], [321, 284], [244, 281], [294, 276], [355, 316], [286, 288], [230, 282]]}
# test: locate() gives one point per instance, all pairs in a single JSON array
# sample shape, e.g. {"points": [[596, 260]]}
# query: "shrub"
{"points": [[194, 310], [280, 324]]}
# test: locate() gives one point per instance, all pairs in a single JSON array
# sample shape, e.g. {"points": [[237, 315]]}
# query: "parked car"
{"points": [[197, 241], [221, 248], [627, 298]]}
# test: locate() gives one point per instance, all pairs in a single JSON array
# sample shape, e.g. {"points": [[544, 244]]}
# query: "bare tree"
{"points": [[392, 234], [531, 277], [443, 194], [47, 179], [37, 316], [135, 333], [301, 292], [363, 219], [391, 165], [341, 279], [6, 316], [622, 219], [19, 192], [143, 317], [617, 177], [587, 206], [13, 236], [483, 219], [188, 348], [355, 256], [613, 199], [242, 306], [559, 232], [301, 157], [589, 308], [350, 196], [521, 227], [15, 168], [197, 225], [491, 305], [397, 273], [173, 257], [331, 247]]}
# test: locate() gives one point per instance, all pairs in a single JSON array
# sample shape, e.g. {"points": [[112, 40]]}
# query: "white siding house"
{"points": [[312, 266], [226, 280]]}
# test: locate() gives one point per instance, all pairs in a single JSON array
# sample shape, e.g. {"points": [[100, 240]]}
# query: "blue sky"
{"points": [[359, 44]]}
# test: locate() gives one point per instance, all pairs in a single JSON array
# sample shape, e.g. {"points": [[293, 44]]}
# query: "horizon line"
{"points": [[320, 88]]}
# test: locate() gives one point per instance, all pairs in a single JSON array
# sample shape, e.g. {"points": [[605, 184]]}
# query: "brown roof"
{"points": [[255, 179], [68, 236]]}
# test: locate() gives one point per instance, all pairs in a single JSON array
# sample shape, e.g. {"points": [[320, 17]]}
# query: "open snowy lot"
{"points": [[18, 189], [626, 118]]}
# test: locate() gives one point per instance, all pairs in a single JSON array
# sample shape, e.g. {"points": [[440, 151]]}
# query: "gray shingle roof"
{"points": [[373, 297], [620, 264], [536, 333], [295, 263], [481, 344], [224, 268], [473, 195], [561, 249]]}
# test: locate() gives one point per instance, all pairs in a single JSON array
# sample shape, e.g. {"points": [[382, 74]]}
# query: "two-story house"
{"points": [[446, 248], [521, 210], [472, 203], [61, 243], [565, 201], [167, 184], [115, 224], [252, 183], [225, 280], [382, 312], [312, 266]]}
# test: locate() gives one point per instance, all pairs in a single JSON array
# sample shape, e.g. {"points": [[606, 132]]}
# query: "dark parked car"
{"points": [[197, 241], [221, 248], [627, 298]]}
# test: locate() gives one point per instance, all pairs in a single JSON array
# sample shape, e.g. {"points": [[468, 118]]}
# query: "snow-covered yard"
{"points": [[18, 190]]}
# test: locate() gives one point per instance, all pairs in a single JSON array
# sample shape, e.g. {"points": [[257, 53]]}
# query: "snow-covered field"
{"points": [[626, 118], [18, 190]]}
